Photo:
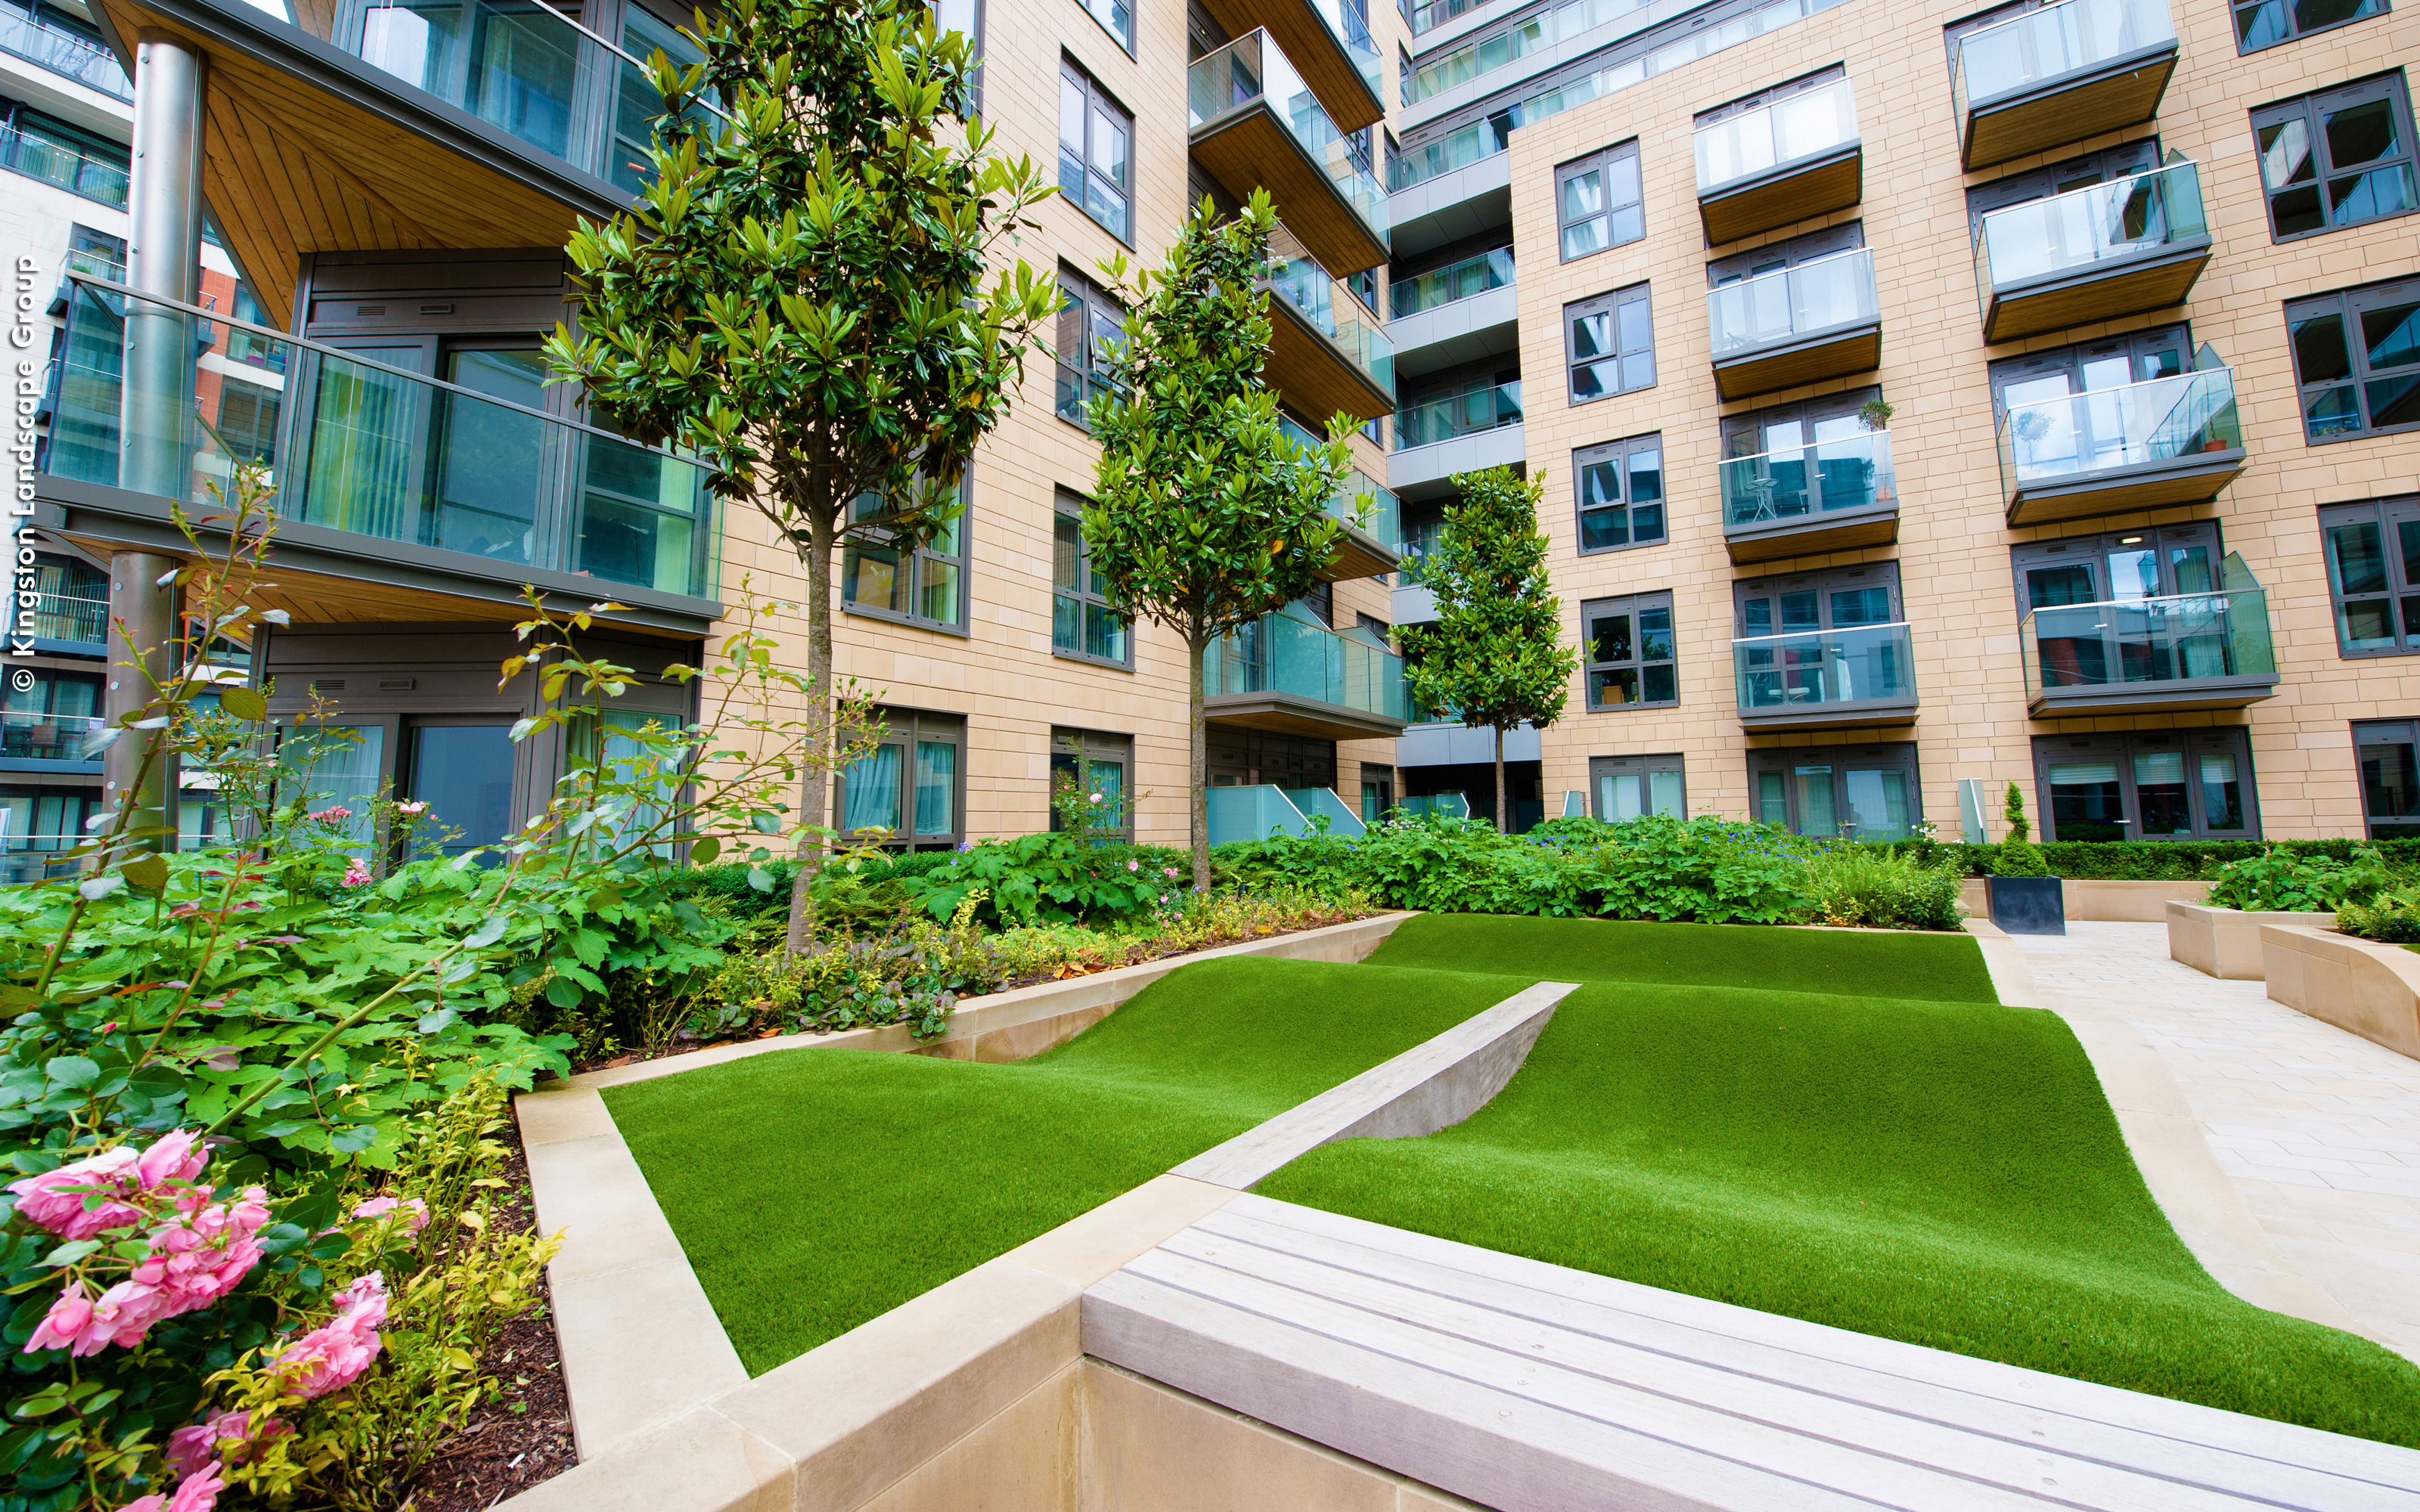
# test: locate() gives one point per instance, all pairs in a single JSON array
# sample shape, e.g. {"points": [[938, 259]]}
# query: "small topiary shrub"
{"points": [[2279, 881], [2019, 858]]}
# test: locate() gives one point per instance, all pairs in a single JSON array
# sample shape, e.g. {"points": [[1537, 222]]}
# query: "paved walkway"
{"points": [[2318, 1129]]}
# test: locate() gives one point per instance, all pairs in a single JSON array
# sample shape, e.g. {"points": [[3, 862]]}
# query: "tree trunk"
{"points": [[1503, 811], [815, 782], [1196, 646]]}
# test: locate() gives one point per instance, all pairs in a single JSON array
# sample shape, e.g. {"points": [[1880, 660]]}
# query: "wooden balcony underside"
{"points": [[1813, 536], [1358, 556], [1820, 716], [1288, 715], [1796, 192], [1251, 149], [1303, 36], [1829, 355], [2069, 109], [2158, 283], [1314, 374], [2181, 696], [2192, 480]]}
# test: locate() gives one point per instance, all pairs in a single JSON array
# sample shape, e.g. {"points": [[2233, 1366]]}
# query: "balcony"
{"points": [[2093, 253], [1327, 352], [2172, 441], [62, 165], [47, 742], [1292, 677], [64, 53], [1372, 545], [79, 624], [1861, 674], [2150, 656], [1257, 812], [1794, 159], [2060, 74], [1257, 125], [1456, 313], [1795, 325], [1332, 44], [399, 496], [1831, 496], [1463, 432]]}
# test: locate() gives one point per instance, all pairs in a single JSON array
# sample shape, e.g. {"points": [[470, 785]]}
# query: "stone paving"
{"points": [[2318, 1128]]}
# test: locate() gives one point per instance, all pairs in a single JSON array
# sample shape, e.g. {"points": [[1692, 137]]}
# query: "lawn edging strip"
{"points": [[1430, 1087], [640, 1342]]}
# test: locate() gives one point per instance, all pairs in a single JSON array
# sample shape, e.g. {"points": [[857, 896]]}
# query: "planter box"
{"points": [[2028, 905], [2225, 942], [2370, 989], [2091, 900]]}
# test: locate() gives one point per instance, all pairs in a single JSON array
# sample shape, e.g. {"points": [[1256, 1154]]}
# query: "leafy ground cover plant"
{"points": [[1873, 889], [2391, 918], [2279, 881], [1052, 878], [1703, 870]]}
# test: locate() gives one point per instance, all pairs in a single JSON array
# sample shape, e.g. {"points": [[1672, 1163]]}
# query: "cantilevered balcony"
{"points": [[1827, 496], [1327, 351], [54, 743], [2093, 253], [1795, 325], [2060, 74], [1329, 41], [1257, 125], [2150, 656], [2172, 441], [1457, 314], [1792, 161], [1862, 674], [1370, 544], [398, 496], [40, 39], [1467, 432], [1290, 676]]}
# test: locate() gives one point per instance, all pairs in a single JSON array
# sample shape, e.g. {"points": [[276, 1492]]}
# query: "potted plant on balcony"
{"points": [[2026, 898]]}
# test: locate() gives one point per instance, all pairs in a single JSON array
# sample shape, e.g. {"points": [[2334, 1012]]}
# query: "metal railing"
{"points": [[1850, 472], [353, 444], [2128, 643], [2140, 425], [1280, 654], [2122, 220], [46, 738], [2040, 45], [64, 53], [1792, 304], [1458, 414], [1808, 124], [1439, 287], [60, 617], [1816, 669], [1251, 70], [69, 167]]}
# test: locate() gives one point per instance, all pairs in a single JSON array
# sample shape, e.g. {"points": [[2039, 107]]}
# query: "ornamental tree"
{"points": [[1495, 655], [803, 298], [1207, 514]]}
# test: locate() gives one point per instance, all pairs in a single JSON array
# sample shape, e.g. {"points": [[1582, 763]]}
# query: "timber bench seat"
{"points": [[1522, 1386]]}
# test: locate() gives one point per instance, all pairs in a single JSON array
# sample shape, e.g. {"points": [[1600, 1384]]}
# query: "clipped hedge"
{"points": [[2156, 860]]}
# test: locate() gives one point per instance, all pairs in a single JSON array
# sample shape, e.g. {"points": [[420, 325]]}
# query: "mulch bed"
{"points": [[512, 1443]]}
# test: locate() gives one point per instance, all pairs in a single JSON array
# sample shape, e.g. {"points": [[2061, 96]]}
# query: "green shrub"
{"points": [[1868, 886], [2391, 918], [1048, 879], [2278, 880], [2019, 858], [1705, 871]]}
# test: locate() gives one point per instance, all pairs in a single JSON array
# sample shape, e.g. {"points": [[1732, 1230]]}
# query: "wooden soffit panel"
{"points": [[2124, 493], [2068, 109], [1313, 373], [1858, 349], [1304, 36], [2125, 289], [1790, 193], [1251, 149]]}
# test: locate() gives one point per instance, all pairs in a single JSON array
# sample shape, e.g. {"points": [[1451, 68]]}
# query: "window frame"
{"points": [[1098, 101], [2309, 109], [1099, 308], [1892, 755], [1638, 606], [2387, 513], [1625, 453], [1601, 163], [1099, 747], [2125, 746], [922, 726], [2381, 732], [1604, 770], [962, 559], [1125, 39], [2295, 31], [2347, 306], [1612, 304], [1068, 506]]}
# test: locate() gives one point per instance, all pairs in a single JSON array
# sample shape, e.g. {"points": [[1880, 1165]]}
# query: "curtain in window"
{"points": [[869, 792], [335, 766], [937, 770]]}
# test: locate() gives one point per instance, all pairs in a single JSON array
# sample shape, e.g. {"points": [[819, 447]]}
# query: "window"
{"points": [[2390, 777], [909, 791], [2336, 158], [1792, 654], [1609, 344], [925, 586], [1082, 624], [1629, 649], [1598, 201], [2168, 784], [1629, 787], [2119, 162], [1110, 760], [75, 159], [2374, 575], [1620, 490], [1096, 165], [2357, 360], [1091, 327], [2260, 24], [1116, 18], [1319, 604], [1849, 792], [1798, 459], [2117, 362], [637, 106], [1774, 256], [103, 255], [48, 716], [1373, 629]]}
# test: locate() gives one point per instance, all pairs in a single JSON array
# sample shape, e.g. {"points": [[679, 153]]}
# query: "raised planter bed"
{"points": [[2097, 899], [2225, 942], [2370, 989], [2026, 905]]}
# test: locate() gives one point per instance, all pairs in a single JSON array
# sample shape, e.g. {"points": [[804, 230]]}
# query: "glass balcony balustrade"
{"points": [[60, 617], [376, 452], [2041, 46], [1385, 523], [1288, 657], [1330, 304], [1791, 305], [64, 164], [1797, 127], [1250, 71], [1844, 475], [1440, 286], [2098, 226], [1458, 414], [46, 738], [2135, 645], [1352, 32], [67, 54], [2106, 431], [1815, 671]]}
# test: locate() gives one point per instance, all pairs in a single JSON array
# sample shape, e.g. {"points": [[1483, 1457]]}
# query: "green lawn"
{"points": [[815, 1189]]}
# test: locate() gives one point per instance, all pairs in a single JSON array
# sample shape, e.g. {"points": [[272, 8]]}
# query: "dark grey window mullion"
{"points": [[2295, 144]]}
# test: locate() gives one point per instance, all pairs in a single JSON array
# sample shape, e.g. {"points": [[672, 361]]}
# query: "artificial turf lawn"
{"points": [[815, 1189], [1945, 1173]]}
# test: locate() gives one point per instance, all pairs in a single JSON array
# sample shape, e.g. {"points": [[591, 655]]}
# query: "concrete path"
{"points": [[2318, 1129]]}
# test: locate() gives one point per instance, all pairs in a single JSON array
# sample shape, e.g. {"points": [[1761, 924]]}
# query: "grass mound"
{"points": [[815, 1189], [1948, 1174]]}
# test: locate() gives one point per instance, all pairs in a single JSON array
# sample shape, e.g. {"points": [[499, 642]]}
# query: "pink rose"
{"points": [[67, 1319], [226, 1438], [176, 1157], [357, 872], [332, 1357], [381, 1206]]}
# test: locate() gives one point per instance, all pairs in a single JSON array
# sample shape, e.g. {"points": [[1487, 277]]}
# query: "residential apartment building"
{"points": [[2133, 282], [394, 183]]}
